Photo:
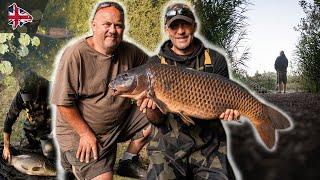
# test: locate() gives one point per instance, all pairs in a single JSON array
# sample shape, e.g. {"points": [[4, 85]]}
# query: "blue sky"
{"points": [[271, 30]]}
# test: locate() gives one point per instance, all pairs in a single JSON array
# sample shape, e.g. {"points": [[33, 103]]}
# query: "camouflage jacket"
{"points": [[205, 133]]}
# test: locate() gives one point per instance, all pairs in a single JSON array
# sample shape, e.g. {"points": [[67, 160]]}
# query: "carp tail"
{"points": [[279, 121], [266, 126]]}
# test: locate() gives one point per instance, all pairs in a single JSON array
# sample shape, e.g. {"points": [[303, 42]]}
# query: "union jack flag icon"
{"points": [[18, 16]]}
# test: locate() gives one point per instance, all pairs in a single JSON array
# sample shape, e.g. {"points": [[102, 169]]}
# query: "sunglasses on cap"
{"points": [[178, 9], [109, 4]]}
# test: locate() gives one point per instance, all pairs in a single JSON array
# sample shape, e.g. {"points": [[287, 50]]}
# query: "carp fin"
{"points": [[186, 119], [163, 108]]}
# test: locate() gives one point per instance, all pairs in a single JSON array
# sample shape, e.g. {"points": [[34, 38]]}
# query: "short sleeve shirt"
{"points": [[82, 79]]}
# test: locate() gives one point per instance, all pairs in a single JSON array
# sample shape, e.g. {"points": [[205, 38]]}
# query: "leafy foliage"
{"points": [[6, 68], [4, 48], [77, 19], [55, 14], [14, 47], [223, 23], [20, 51], [144, 20], [266, 79], [308, 48], [24, 39], [142, 16], [17, 44], [259, 82]]}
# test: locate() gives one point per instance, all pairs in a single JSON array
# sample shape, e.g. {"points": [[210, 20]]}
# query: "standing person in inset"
{"points": [[90, 122], [281, 65], [178, 151]]}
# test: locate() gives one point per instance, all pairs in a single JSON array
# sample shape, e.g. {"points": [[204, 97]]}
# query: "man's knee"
{"points": [[142, 136], [104, 176], [90, 170]]}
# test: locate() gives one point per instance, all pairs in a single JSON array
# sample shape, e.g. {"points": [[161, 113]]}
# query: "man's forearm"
{"points": [[72, 116], [6, 139]]}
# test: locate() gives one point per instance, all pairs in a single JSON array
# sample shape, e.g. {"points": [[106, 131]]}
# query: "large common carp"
{"points": [[191, 93], [33, 164]]}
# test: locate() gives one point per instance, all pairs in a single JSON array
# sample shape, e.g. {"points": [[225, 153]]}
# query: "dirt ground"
{"points": [[298, 151]]}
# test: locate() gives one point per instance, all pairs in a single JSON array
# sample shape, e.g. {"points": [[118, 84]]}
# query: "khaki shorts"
{"points": [[107, 148], [281, 77]]}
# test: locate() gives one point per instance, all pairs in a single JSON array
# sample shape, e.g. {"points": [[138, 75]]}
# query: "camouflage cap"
{"points": [[179, 11]]}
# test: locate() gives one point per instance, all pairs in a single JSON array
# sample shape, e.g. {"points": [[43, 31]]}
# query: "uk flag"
{"points": [[18, 16]]}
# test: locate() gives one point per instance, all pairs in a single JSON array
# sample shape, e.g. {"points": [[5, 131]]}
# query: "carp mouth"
{"points": [[123, 85], [115, 92], [130, 84], [120, 91]]}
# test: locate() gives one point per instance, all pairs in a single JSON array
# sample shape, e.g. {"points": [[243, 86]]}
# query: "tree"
{"points": [[224, 24], [77, 18], [144, 20], [308, 48]]}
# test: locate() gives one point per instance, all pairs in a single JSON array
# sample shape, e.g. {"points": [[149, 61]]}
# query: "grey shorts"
{"points": [[107, 148]]}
